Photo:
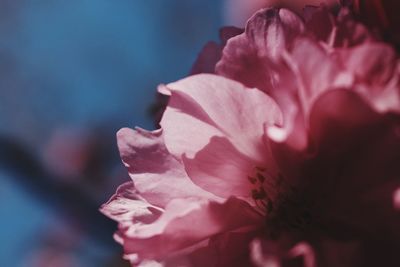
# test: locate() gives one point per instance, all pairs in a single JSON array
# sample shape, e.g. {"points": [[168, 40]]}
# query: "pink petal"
{"points": [[187, 222], [371, 63], [212, 52], [225, 249], [127, 207], [311, 72], [349, 31], [282, 252], [396, 199], [315, 70], [158, 176], [228, 32], [249, 57], [203, 106], [374, 66], [232, 248], [305, 251], [207, 59], [355, 170], [319, 22], [221, 169]]}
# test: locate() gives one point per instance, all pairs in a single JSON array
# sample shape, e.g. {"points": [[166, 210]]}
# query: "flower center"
{"points": [[262, 190], [293, 213], [285, 207]]}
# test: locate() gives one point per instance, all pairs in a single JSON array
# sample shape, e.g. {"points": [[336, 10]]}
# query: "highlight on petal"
{"points": [[279, 253], [304, 250], [396, 199], [203, 106]]}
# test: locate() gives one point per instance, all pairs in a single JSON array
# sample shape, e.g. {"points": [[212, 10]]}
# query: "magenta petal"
{"points": [[158, 176], [187, 222], [203, 106]]}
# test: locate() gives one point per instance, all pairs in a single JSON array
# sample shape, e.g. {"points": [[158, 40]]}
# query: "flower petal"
{"points": [[375, 68], [248, 58], [207, 59], [319, 22], [212, 52], [371, 63], [128, 208], [221, 169], [203, 106], [357, 154], [158, 176], [316, 71], [187, 222]]}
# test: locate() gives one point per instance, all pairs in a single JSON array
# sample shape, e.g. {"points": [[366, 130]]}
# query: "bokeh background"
{"points": [[71, 74]]}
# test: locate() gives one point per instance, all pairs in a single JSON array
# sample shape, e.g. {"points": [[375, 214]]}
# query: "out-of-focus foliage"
{"points": [[71, 74]]}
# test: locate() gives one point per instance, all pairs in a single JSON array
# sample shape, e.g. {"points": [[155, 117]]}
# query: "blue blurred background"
{"points": [[71, 74]]}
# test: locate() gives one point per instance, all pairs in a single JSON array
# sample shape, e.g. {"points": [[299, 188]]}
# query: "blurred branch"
{"points": [[30, 172]]}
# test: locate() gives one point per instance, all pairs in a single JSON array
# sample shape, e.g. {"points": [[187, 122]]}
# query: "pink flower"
{"points": [[381, 15], [288, 156], [193, 186], [238, 11]]}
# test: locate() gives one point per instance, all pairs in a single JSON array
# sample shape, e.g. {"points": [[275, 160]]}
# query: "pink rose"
{"points": [[288, 154]]}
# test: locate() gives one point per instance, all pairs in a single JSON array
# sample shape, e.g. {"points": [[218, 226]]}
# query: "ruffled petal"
{"points": [[158, 176], [186, 223], [128, 208], [249, 57]]}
